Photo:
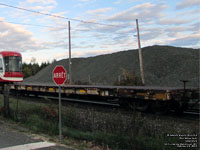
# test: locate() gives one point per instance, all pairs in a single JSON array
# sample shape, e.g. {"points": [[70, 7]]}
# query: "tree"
{"points": [[33, 67], [128, 79], [27, 71]]}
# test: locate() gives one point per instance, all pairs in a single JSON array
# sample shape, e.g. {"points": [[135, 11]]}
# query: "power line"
{"points": [[54, 27], [57, 16], [27, 24], [45, 26]]}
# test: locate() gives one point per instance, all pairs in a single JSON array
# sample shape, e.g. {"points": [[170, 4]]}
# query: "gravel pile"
{"points": [[163, 66]]}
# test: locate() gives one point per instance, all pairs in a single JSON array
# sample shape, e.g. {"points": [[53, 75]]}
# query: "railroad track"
{"points": [[107, 107], [192, 114], [79, 101]]}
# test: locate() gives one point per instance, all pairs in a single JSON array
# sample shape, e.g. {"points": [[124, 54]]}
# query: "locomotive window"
{"points": [[1, 65], [13, 64]]}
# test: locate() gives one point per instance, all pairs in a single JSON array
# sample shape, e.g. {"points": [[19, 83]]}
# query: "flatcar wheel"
{"points": [[160, 107], [143, 106], [176, 106]]}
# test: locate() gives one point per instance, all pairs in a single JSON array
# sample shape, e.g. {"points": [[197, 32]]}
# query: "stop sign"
{"points": [[59, 75]]}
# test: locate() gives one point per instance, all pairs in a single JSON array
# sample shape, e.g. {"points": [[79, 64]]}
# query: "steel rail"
{"points": [[78, 100]]}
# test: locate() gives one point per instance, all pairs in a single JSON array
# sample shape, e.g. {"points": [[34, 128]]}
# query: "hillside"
{"points": [[163, 66]]}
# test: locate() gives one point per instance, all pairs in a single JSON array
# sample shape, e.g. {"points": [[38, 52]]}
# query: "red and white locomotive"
{"points": [[11, 67]]}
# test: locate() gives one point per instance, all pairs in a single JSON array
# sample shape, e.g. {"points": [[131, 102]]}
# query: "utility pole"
{"points": [[184, 87], [140, 53], [70, 73]]}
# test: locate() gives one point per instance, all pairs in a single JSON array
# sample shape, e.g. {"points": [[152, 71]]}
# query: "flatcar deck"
{"points": [[144, 96]]}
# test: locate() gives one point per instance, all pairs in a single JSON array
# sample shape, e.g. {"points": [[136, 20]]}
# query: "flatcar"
{"points": [[10, 67]]}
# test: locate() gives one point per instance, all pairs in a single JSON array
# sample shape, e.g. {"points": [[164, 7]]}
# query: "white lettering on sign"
{"points": [[59, 75]]}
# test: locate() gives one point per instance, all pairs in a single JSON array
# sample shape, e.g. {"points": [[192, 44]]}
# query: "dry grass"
{"points": [[108, 130]]}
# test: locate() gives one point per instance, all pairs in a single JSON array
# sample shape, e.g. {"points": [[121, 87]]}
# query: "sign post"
{"points": [[6, 88], [60, 112], [59, 77]]}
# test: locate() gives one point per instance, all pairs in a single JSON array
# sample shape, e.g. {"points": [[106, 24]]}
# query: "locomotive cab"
{"points": [[11, 67]]}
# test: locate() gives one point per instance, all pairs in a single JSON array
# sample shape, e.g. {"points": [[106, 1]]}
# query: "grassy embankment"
{"points": [[89, 127]]}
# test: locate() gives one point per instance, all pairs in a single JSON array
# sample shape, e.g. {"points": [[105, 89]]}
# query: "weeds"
{"points": [[108, 130]]}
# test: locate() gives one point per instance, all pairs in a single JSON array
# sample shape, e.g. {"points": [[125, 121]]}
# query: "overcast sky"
{"points": [[161, 22]]}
